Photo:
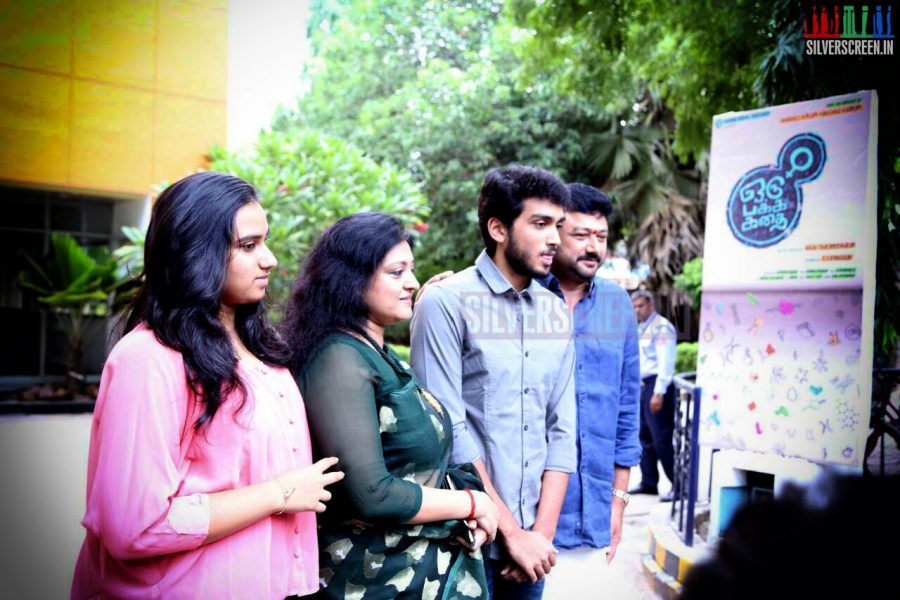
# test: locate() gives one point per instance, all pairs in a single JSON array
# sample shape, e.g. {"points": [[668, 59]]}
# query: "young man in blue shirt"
{"points": [[607, 391]]}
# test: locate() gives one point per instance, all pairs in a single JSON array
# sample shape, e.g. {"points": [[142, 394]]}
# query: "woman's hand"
{"points": [[487, 516], [479, 534], [305, 487], [432, 280]]}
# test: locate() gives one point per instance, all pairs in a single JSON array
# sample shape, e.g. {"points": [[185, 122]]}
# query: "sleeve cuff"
{"points": [[628, 459], [464, 448], [561, 458], [189, 515]]}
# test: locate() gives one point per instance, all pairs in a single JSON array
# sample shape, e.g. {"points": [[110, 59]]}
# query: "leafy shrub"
{"points": [[690, 280], [307, 180], [686, 357]]}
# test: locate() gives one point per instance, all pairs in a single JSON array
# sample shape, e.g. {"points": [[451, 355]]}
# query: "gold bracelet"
{"points": [[286, 493]]}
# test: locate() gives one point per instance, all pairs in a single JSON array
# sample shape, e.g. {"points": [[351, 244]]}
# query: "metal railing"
{"points": [[885, 419], [687, 454]]}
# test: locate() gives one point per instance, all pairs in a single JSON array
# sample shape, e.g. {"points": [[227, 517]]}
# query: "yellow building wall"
{"points": [[110, 95]]}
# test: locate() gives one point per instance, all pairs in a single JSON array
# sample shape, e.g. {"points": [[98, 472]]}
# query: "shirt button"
{"points": [[526, 463], [291, 421], [526, 354], [527, 390], [297, 553], [296, 449], [579, 367], [297, 529], [281, 394], [526, 428]]}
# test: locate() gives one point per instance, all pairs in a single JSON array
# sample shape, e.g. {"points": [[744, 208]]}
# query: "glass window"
{"points": [[36, 344]]}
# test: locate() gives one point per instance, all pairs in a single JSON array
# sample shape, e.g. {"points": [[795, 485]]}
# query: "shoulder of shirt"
{"points": [[341, 343], [664, 323], [454, 286], [141, 344]]}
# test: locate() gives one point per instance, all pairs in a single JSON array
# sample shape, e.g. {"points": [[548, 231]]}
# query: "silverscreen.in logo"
{"points": [[835, 29]]}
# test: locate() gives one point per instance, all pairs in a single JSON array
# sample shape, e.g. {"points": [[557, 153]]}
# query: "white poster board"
{"points": [[785, 352]]}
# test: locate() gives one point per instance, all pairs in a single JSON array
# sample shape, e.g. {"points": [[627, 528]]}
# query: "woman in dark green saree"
{"points": [[404, 523]]}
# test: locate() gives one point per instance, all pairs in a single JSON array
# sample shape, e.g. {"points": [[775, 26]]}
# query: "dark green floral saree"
{"points": [[392, 437]]}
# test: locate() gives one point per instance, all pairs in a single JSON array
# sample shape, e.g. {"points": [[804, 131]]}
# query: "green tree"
{"points": [[690, 281], [306, 180], [447, 112], [698, 57]]}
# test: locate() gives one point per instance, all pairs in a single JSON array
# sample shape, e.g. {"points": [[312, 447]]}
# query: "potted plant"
{"points": [[74, 284]]}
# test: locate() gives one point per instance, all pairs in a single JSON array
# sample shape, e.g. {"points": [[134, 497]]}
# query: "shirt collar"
{"points": [[496, 281], [552, 283], [646, 324]]}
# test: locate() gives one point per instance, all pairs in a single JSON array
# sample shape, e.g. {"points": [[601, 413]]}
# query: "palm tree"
{"points": [[658, 198]]}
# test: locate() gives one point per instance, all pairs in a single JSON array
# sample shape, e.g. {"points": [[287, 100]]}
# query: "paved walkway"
{"points": [[634, 543], [634, 538], [627, 581]]}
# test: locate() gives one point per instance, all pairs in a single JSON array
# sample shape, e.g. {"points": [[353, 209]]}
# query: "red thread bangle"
{"points": [[472, 502]]}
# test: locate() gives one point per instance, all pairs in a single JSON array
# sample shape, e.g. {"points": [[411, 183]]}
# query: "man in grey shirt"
{"points": [[496, 348]]}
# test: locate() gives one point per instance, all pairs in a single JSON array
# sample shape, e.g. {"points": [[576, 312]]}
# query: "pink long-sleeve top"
{"points": [[149, 475]]}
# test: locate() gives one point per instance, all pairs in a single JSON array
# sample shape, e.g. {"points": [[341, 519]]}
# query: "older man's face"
{"points": [[642, 308]]}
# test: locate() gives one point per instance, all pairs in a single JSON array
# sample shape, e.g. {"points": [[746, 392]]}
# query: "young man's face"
{"points": [[534, 238], [582, 247]]}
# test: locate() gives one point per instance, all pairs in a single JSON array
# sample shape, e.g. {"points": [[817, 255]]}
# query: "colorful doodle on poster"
{"points": [[781, 374], [765, 204]]}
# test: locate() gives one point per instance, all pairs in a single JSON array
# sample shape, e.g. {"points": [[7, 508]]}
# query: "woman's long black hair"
{"points": [[329, 294], [186, 253]]}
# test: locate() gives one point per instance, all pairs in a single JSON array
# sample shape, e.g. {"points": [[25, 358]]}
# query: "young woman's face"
{"points": [[390, 293], [250, 260]]}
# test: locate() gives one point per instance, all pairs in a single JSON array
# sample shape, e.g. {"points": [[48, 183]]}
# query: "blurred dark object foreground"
{"points": [[832, 538]]}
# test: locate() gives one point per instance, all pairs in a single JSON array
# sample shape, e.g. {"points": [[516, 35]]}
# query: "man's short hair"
{"points": [[642, 294], [505, 190], [588, 200]]}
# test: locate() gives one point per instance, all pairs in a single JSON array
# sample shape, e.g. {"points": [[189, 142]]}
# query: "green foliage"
{"points": [[369, 49], [686, 357], [432, 90], [307, 180], [72, 278], [73, 283], [690, 280], [698, 57], [402, 351], [131, 256]]}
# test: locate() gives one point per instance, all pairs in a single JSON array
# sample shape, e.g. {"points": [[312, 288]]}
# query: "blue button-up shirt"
{"points": [[501, 361], [607, 392]]}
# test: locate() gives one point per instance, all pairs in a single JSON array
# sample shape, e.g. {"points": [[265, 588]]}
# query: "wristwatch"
{"points": [[622, 495]]}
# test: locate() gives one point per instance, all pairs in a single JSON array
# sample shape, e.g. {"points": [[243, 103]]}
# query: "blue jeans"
{"points": [[501, 589]]}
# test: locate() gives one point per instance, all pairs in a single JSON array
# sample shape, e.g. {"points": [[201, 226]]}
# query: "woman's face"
{"points": [[390, 293], [250, 260]]}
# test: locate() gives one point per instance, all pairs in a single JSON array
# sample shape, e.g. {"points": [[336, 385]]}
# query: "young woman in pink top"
{"points": [[200, 482]]}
